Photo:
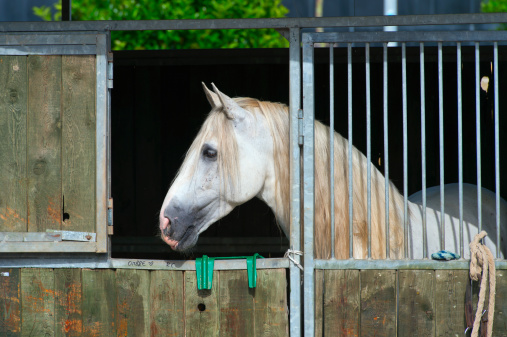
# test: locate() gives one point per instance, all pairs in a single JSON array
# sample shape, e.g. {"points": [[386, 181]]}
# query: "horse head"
{"points": [[229, 162]]}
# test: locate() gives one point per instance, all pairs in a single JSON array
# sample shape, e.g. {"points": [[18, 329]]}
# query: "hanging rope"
{"points": [[482, 266], [291, 253]]}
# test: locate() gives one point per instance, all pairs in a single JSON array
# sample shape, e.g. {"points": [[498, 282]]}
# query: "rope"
{"points": [[482, 266], [293, 252]]}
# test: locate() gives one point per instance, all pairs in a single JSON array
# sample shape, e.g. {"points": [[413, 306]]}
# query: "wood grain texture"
{"points": [[416, 314], [500, 322], [99, 303], [319, 302], [378, 303], [78, 142], [133, 302], [10, 309], [202, 312], [167, 316], [13, 112], [37, 302], [236, 304], [68, 302], [270, 302], [341, 303], [44, 143], [450, 287]]}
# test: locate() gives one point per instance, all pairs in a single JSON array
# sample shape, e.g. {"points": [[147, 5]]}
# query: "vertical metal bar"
{"points": [[308, 184], [460, 146], [331, 144], [295, 161], [405, 136], [497, 149], [351, 156], [368, 145], [423, 147], [441, 142], [386, 153], [66, 10], [478, 132]]}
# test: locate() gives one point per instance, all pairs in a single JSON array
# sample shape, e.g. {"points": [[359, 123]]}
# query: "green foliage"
{"points": [[495, 6], [178, 10]]}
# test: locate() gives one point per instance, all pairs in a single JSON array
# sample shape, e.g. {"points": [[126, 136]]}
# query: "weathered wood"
{"points": [[236, 304], [416, 314], [44, 143], [68, 302], [202, 312], [13, 110], [78, 143], [37, 302], [270, 301], [319, 302], [450, 287], [99, 303], [133, 302], [500, 322], [10, 310], [166, 309], [341, 303], [378, 303]]}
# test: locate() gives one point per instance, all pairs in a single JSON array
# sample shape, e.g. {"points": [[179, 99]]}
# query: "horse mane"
{"points": [[277, 116]]}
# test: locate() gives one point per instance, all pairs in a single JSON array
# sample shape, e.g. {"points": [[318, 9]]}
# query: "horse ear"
{"points": [[213, 99], [231, 109]]}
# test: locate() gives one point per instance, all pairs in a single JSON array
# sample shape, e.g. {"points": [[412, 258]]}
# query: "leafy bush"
{"points": [[177, 10], [495, 6]]}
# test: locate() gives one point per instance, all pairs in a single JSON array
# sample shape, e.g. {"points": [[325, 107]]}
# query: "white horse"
{"points": [[242, 151]]}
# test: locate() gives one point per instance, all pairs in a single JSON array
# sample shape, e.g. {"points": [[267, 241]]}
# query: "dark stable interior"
{"points": [[158, 106]]}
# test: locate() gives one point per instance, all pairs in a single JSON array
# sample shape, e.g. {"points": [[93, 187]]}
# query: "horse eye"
{"points": [[210, 153]]}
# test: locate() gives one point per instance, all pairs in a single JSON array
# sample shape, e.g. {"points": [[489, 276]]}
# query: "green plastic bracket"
{"points": [[204, 269]]}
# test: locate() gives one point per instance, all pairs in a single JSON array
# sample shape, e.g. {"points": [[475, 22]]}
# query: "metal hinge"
{"points": [[301, 137], [110, 216]]}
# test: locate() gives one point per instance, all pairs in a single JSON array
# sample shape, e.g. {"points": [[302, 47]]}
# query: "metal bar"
{"points": [[426, 264], [405, 36], [350, 153], [423, 147], [405, 146], [308, 184], [368, 146], [55, 247], [66, 10], [497, 149], [386, 152], [331, 145], [295, 175], [16, 39], [29, 237], [441, 139], [478, 132], [48, 50], [460, 147], [354, 21]]}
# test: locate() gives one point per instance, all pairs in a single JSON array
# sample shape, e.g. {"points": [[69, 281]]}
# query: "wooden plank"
{"points": [[166, 298], [319, 302], [78, 143], [270, 302], [38, 302], [500, 322], [450, 287], [10, 311], [44, 143], [133, 302], [99, 303], [202, 313], [341, 302], [378, 303], [416, 314], [68, 302], [13, 110], [236, 304]]}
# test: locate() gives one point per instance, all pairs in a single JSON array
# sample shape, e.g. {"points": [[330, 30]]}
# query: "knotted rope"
{"points": [[291, 253], [482, 266]]}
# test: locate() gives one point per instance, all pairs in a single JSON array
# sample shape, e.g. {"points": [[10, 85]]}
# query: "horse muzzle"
{"points": [[165, 229]]}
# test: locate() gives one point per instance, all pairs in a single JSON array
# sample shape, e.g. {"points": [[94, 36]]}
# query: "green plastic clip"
{"points": [[204, 269]]}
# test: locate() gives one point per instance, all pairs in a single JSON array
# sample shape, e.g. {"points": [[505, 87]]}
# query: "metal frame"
{"points": [[80, 43]]}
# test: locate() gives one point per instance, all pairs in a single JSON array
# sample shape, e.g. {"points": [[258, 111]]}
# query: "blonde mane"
{"points": [[277, 116]]}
